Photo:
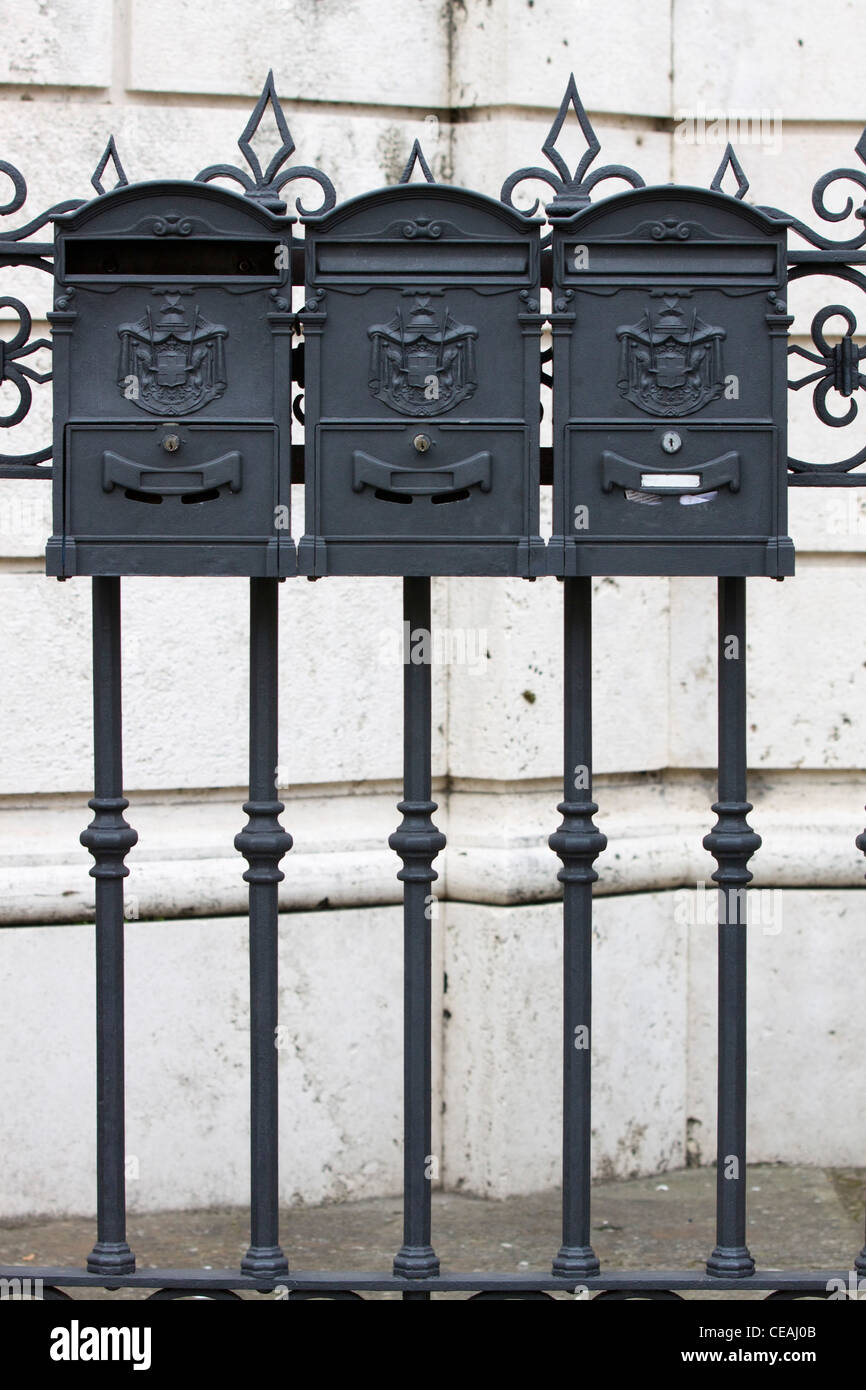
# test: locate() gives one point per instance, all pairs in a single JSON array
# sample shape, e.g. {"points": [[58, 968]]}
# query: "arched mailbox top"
{"points": [[404, 196], [148, 208], [726, 215], [691, 236]]}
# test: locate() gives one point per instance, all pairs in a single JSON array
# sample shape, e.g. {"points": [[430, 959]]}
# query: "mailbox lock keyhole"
{"points": [[422, 443], [671, 442], [171, 443]]}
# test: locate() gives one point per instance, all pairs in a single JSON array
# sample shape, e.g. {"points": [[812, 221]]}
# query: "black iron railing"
{"points": [[577, 841]]}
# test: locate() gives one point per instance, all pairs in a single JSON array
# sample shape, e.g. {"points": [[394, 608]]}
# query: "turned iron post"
{"points": [[731, 842], [578, 843], [263, 842], [108, 838], [417, 842]]}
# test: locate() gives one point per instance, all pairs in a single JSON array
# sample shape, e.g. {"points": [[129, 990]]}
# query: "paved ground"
{"points": [[798, 1217]]}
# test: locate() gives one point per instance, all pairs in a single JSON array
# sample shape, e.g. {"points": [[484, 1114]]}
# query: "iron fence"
{"points": [[416, 1275]]}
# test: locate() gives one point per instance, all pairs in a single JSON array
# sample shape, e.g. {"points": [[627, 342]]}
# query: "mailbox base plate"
{"points": [[524, 557], [259, 559], [773, 558]]}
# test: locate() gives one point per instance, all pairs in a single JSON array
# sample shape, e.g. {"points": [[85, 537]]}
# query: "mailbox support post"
{"points": [[578, 843], [109, 838], [263, 842], [417, 841], [732, 842]]}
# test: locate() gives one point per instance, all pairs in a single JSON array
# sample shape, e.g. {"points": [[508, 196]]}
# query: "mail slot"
{"points": [[670, 392], [172, 362], [422, 338]]}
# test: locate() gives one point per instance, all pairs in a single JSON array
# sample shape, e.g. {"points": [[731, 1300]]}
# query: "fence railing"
{"points": [[835, 367]]}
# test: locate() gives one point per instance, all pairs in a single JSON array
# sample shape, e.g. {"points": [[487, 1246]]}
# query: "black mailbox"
{"points": [[172, 366], [670, 394], [421, 413]]}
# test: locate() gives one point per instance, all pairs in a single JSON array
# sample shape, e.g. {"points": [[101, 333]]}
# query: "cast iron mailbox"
{"points": [[670, 390], [172, 352], [422, 367]]}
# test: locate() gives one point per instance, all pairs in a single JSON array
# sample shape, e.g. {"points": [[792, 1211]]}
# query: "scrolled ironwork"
{"points": [[13, 247], [817, 238], [11, 367], [571, 190], [16, 249], [19, 194], [265, 186], [838, 365]]}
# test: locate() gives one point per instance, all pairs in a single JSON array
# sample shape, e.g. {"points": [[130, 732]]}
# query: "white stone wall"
{"points": [[478, 82]]}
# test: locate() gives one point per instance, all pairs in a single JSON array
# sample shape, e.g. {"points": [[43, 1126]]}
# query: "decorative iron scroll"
{"points": [[18, 249], [817, 238], [838, 370]]}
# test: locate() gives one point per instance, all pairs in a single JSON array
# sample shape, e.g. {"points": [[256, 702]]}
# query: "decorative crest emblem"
{"points": [[171, 362], [670, 361], [421, 365]]}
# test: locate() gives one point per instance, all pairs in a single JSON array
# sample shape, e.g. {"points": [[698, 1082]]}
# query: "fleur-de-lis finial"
{"points": [[732, 164], [264, 187], [571, 190]]}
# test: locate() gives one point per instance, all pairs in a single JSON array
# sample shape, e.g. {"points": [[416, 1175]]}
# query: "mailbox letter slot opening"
{"points": [[457, 260], [637, 262], [200, 484], [187, 258], [680, 481], [448, 484], [617, 471]]}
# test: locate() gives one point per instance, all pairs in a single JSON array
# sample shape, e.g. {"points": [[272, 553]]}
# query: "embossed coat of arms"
{"points": [[670, 360], [421, 363], [172, 361]]}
